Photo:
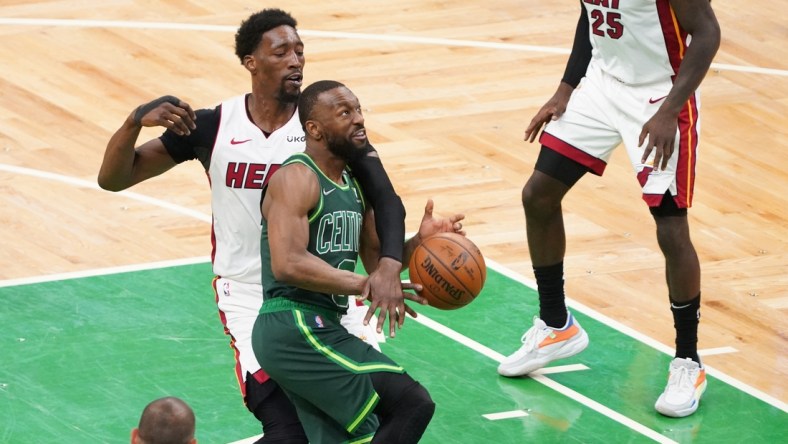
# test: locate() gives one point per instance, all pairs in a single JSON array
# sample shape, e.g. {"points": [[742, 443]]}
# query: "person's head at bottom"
{"points": [[166, 420]]}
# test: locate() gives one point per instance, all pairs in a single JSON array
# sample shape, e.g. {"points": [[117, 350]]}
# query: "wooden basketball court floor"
{"points": [[447, 91]]}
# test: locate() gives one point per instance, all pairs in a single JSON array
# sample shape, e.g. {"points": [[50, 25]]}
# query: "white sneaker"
{"points": [[353, 321], [686, 384], [542, 345]]}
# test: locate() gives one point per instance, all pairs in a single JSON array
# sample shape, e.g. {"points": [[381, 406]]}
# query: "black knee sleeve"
{"points": [[405, 408], [271, 406], [667, 208], [559, 166]]}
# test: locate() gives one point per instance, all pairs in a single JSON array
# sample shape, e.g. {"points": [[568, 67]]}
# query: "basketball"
{"points": [[450, 268]]}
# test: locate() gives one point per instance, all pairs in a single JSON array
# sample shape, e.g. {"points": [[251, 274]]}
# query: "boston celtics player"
{"points": [[315, 227]]}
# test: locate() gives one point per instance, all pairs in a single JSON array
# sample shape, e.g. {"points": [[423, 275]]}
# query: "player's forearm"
{"points": [[117, 167], [312, 273], [390, 213]]}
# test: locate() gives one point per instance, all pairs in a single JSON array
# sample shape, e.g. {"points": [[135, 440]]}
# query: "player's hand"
{"points": [[659, 135], [167, 111], [552, 110], [431, 225], [387, 293]]}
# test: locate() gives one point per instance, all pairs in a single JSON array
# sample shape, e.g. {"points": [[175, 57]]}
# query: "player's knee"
{"points": [[276, 413], [538, 200], [405, 419], [418, 398]]}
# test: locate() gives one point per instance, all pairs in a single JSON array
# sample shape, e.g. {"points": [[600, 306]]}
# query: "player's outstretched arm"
{"points": [[123, 164]]}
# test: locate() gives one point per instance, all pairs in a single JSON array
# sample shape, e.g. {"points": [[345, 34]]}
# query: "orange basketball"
{"points": [[451, 269]]}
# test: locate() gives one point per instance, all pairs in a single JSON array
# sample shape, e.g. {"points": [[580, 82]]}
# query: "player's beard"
{"points": [[344, 148], [286, 96]]}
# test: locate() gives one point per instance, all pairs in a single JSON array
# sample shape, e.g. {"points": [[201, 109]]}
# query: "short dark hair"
{"points": [[308, 97], [167, 420], [249, 34]]}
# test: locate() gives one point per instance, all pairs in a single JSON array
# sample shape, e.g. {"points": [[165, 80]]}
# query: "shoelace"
{"points": [[533, 337], [681, 378]]}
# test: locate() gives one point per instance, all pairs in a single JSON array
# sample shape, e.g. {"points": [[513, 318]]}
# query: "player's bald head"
{"points": [[166, 421]]}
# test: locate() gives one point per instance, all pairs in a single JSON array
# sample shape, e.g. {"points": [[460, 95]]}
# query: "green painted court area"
{"points": [[81, 357]]}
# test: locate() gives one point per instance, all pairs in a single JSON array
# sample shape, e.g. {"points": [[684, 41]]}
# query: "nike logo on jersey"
{"points": [[237, 142], [653, 101], [327, 192]]}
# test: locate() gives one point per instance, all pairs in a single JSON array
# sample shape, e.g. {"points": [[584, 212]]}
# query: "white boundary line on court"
{"points": [[81, 183], [171, 26], [540, 378]]}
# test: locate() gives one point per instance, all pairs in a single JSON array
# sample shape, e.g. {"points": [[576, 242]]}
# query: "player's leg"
{"points": [[239, 304], [271, 406], [686, 375], [405, 408], [555, 334], [323, 369], [669, 193], [582, 140]]}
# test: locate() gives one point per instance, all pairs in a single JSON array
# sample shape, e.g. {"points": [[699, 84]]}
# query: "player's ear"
{"points": [[313, 129], [135, 433], [250, 63]]}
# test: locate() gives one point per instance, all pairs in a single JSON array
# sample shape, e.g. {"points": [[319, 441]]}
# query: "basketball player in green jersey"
{"points": [[315, 226]]}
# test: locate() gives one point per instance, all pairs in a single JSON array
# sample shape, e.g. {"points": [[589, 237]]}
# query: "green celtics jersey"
{"points": [[334, 235]]}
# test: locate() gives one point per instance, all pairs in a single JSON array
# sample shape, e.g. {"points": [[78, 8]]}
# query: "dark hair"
{"points": [[249, 34], [308, 97], [167, 421]]}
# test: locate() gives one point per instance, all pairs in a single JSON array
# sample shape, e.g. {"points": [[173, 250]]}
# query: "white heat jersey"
{"points": [[635, 41], [241, 163]]}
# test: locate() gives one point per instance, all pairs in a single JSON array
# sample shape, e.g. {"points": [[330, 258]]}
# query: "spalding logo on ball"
{"points": [[451, 269]]}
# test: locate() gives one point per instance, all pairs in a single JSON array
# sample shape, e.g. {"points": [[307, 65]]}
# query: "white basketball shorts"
{"points": [[603, 112]]}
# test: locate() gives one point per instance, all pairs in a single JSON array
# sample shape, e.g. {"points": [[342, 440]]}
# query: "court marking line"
{"points": [[81, 183], [103, 271], [506, 415], [560, 369], [566, 391], [717, 351], [174, 26]]}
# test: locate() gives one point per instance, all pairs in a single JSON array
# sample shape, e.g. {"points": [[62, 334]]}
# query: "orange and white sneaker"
{"points": [[686, 384], [542, 345]]}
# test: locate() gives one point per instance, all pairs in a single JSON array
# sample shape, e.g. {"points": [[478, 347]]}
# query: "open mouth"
{"points": [[295, 79], [360, 134]]}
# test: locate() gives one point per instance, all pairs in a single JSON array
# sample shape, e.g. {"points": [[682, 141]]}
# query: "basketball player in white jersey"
{"points": [[240, 144], [632, 77]]}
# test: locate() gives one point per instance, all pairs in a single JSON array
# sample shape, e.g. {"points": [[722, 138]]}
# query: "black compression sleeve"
{"points": [[389, 211], [578, 61]]}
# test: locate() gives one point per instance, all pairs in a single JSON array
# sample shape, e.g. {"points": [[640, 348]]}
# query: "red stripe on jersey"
{"points": [[236, 352], [597, 166], [675, 36], [213, 233], [688, 146]]}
